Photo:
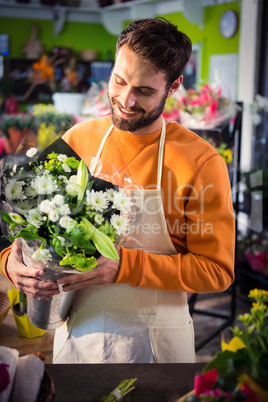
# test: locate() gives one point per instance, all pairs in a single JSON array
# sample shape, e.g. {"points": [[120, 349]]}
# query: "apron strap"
{"points": [[97, 157], [161, 154]]}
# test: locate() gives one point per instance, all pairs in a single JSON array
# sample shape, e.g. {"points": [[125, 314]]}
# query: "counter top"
{"points": [[91, 382]]}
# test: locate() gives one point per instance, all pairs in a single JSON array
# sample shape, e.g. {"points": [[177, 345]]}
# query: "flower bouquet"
{"points": [[240, 371], [257, 255], [64, 218], [203, 108]]}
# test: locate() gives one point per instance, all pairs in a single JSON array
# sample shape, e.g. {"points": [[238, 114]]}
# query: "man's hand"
{"points": [[104, 274], [25, 278]]}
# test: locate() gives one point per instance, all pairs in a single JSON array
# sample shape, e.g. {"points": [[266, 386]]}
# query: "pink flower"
{"points": [[206, 88], [205, 381], [214, 106]]}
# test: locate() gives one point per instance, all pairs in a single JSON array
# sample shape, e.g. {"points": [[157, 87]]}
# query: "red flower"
{"points": [[205, 381], [249, 393]]}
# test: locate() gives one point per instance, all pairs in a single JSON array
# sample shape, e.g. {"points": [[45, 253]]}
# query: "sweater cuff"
{"points": [[130, 266], [3, 262]]}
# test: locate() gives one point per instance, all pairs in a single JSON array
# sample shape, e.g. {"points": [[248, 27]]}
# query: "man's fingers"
{"points": [[33, 289]]}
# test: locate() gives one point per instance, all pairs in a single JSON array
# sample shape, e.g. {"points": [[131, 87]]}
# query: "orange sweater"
{"points": [[196, 200]]}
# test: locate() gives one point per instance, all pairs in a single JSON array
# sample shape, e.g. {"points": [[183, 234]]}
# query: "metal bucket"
{"points": [[48, 314]]}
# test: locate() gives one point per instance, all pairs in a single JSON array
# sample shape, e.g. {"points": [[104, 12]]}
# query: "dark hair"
{"points": [[158, 42]]}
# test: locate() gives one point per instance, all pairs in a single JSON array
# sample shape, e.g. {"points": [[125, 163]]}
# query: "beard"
{"points": [[136, 124]]}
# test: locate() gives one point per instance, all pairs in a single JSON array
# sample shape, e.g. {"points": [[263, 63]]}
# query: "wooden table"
{"points": [[91, 382], [9, 337]]}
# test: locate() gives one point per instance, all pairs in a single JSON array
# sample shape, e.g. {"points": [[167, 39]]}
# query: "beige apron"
{"points": [[125, 324]]}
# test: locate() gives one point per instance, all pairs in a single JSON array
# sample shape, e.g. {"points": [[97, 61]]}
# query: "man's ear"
{"points": [[175, 86]]}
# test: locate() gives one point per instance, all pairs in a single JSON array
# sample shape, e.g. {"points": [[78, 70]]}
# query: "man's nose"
{"points": [[128, 98]]}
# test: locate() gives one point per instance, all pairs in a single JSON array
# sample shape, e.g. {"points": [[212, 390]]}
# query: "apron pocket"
{"points": [[126, 338], [173, 345]]}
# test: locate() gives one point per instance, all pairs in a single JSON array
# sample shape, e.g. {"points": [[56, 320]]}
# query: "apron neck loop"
{"points": [[160, 153]]}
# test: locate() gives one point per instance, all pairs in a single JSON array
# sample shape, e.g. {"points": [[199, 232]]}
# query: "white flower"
{"points": [[110, 194], [16, 218], [97, 200], [122, 202], [67, 223], [73, 179], [23, 206], [66, 168], [62, 157], [54, 214], [63, 178], [98, 219], [44, 185], [31, 152], [30, 191], [61, 239], [58, 199], [119, 223], [14, 168], [72, 187], [34, 218], [65, 209], [45, 206], [41, 255], [14, 190]]}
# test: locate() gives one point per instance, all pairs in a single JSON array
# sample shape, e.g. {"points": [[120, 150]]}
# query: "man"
{"points": [[135, 309]]}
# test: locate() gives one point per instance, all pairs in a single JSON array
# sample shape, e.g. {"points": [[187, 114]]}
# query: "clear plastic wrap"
{"points": [[63, 216]]}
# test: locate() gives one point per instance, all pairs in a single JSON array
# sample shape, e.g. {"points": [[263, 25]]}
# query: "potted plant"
{"points": [[240, 371]]}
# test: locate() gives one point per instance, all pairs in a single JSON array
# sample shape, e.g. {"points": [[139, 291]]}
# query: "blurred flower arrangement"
{"points": [[259, 106], [44, 72], [255, 248], [97, 102], [240, 371], [50, 124], [41, 127], [200, 108], [222, 148]]}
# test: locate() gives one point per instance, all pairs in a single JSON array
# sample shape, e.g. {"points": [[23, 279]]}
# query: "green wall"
{"points": [[75, 35], [81, 36], [212, 42]]}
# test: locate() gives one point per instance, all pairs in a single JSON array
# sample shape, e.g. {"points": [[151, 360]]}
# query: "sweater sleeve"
{"points": [[207, 262]]}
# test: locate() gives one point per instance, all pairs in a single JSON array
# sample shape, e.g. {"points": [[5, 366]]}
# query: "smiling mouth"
{"points": [[129, 113]]}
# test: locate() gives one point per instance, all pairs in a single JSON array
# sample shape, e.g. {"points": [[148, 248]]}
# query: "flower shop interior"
{"points": [[56, 57]]}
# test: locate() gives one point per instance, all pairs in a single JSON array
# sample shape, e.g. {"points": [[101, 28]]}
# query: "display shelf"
{"points": [[18, 71], [111, 16]]}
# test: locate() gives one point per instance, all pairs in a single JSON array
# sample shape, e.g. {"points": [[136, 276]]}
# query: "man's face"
{"points": [[137, 94]]}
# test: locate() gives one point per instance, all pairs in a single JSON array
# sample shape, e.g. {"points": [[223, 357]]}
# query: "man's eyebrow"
{"points": [[141, 86]]}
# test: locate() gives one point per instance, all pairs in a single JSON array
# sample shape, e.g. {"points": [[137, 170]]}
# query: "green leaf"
{"points": [[13, 226], [56, 243], [102, 242], [25, 234], [104, 245], [6, 217]]}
